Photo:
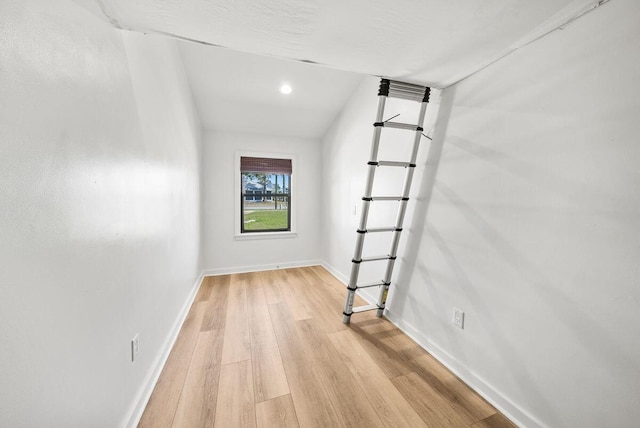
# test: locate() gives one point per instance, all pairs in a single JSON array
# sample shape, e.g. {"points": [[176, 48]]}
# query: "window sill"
{"points": [[263, 235]]}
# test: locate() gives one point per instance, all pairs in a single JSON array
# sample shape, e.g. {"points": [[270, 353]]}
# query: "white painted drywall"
{"points": [[99, 218], [528, 219], [222, 252]]}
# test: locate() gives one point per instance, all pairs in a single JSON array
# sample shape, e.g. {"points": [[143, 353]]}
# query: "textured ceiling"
{"points": [[432, 42]]}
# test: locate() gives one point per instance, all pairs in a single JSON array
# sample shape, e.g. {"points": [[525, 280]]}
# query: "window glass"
{"points": [[265, 195]]}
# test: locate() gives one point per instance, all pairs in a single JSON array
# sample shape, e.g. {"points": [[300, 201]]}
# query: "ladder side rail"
{"points": [[406, 188], [373, 157], [366, 201], [402, 208]]}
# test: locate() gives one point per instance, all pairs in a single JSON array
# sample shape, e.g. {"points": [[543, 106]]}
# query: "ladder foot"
{"points": [[379, 312], [346, 319]]}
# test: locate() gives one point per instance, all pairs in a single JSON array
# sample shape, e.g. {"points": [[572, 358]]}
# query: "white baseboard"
{"points": [[499, 401], [333, 271], [156, 368], [371, 299], [259, 268], [512, 411]]}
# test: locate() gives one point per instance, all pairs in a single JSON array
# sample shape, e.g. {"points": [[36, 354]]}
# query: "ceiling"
{"points": [[430, 42], [237, 91]]}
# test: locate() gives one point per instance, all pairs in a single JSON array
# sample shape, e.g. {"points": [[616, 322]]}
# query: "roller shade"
{"points": [[265, 165]]}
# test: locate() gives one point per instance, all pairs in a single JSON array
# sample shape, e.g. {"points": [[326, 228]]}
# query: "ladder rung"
{"points": [[375, 258], [408, 91], [394, 84], [407, 97], [364, 308], [405, 91], [388, 198], [380, 229], [399, 125], [395, 163], [372, 284]]}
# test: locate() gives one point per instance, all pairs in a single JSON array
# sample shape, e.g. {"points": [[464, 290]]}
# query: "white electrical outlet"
{"points": [[458, 318], [135, 347]]}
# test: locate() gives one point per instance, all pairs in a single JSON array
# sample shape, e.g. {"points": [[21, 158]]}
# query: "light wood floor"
{"points": [[269, 349]]}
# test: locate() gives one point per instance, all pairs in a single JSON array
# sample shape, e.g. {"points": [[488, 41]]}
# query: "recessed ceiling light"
{"points": [[285, 89]]}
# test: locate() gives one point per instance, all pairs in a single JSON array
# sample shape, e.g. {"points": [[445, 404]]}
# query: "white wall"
{"points": [[222, 252], [99, 218], [528, 219]]}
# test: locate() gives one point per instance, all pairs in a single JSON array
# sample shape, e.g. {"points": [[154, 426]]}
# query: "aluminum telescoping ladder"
{"points": [[392, 89]]}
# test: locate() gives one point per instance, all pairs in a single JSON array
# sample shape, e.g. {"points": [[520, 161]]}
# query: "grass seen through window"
{"points": [[265, 219]]}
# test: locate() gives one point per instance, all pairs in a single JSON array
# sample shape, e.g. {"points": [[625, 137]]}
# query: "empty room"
{"points": [[320, 214]]}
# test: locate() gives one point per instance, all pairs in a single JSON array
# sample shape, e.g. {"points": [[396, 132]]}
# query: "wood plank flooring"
{"points": [[269, 349]]}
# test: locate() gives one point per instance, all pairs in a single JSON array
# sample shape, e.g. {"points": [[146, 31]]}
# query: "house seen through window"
{"points": [[266, 194]]}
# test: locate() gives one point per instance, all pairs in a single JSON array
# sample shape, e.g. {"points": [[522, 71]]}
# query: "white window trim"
{"points": [[293, 202]]}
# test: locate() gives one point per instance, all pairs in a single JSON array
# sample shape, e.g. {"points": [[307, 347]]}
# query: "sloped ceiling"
{"points": [[431, 42], [239, 92]]}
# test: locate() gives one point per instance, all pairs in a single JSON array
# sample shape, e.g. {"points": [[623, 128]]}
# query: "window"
{"points": [[265, 194]]}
